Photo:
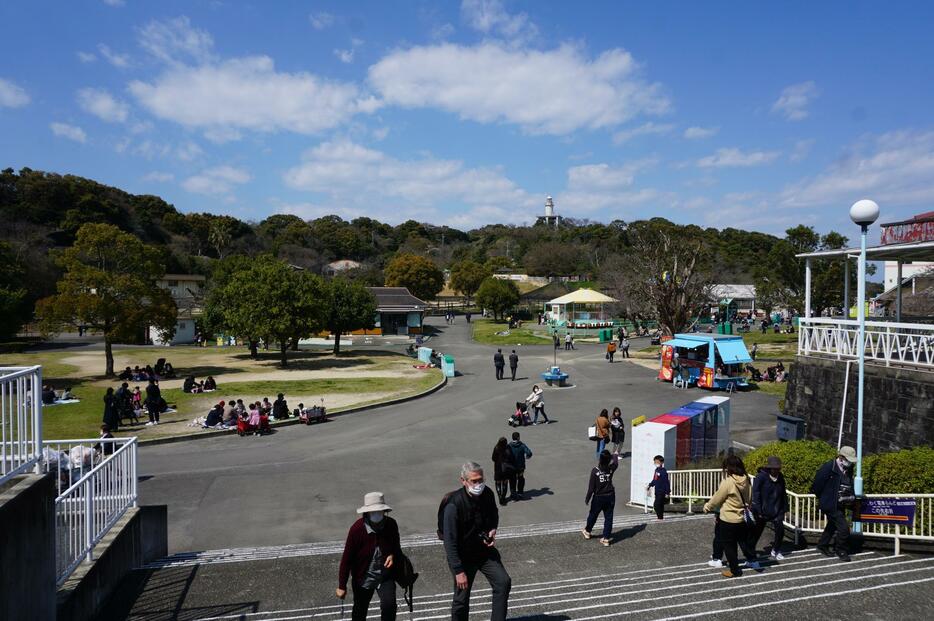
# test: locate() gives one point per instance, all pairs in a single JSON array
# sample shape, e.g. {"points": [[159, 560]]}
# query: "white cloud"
{"points": [[121, 61], [490, 17], [248, 93], [802, 150], [176, 40], [896, 168], [86, 57], [159, 177], [11, 95], [442, 32], [188, 151], [320, 21], [220, 135], [72, 132], [354, 175], [345, 56], [553, 92], [699, 133], [645, 129], [103, 105], [603, 176], [217, 181], [794, 101], [727, 158], [380, 133]]}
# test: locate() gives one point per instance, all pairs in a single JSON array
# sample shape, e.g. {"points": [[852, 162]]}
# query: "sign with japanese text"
{"points": [[887, 510], [908, 232]]}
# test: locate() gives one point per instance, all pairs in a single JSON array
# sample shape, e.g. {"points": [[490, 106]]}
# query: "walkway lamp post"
{"points": [[863, 213]]}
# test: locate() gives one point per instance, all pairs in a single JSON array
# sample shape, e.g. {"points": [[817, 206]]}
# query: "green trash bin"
{"points": [[606, 335], [447, 365]]}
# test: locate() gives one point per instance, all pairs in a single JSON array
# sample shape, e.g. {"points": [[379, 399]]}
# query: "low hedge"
{"points": [[909, 471]]}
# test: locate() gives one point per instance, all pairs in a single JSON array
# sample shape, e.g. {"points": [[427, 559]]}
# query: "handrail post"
{"points": [[691, 494], [133, 472], [88, 520], [37, 420]]}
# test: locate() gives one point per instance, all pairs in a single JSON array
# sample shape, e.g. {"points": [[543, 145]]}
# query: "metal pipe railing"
{"points": [[20, 420], [885, 341]]}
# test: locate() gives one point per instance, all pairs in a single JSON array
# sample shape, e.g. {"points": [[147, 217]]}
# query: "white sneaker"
{"points": [[715, 563], [149, 424], [778, 556]]}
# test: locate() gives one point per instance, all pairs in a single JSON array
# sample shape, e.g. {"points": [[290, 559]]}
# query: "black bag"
{"points": [[403, 572]]}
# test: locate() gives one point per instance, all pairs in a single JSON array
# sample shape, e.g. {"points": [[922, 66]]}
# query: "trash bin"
{"points": [[789, 428], [606, 335], [447, 365]]}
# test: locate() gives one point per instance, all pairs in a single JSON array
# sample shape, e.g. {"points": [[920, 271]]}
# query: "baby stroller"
{"points": [[314, 414], [520, 417], [244, 427]]}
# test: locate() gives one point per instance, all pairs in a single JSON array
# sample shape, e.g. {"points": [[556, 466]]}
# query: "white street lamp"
{"points": [[863, 213]]}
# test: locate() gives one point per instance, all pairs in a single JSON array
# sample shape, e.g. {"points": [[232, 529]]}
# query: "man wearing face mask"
{"points": [[833, 486], [469, 522], [372, 545]]}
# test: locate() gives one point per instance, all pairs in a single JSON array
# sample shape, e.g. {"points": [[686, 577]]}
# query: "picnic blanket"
{"points": [[60, 402]]}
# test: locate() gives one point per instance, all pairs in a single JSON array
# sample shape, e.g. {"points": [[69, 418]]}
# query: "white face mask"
{"points": [[476, 490], [844, 463], [375, 516]]}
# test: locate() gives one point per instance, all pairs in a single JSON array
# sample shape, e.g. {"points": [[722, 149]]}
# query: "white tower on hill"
{"points": [[549, 219]]}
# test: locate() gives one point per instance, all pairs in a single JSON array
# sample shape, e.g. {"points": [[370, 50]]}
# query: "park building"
{"points": [[187, 290], [735, 300], [398, 312]]}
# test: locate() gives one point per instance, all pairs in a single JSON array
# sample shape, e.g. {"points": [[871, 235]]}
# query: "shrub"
{"points": [[909, 471], [800, 461]]}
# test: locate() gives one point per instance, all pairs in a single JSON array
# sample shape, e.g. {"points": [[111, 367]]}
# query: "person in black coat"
{"points": [[111, 413], [499, 363], [280, 407], [153, 402], [833, 486], [513, 364], [769, 504]]}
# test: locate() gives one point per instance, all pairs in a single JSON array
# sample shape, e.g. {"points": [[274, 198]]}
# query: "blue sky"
{"points": [[754, 115]]}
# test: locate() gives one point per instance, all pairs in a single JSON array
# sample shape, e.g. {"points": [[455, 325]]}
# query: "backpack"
{"points": [[405, 576]]}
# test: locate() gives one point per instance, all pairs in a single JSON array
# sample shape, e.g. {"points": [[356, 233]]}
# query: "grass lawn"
{"points": [[351, 379], [484, 331]]}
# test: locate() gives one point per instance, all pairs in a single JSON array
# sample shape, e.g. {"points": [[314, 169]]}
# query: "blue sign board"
{"points": [[887, 511]]}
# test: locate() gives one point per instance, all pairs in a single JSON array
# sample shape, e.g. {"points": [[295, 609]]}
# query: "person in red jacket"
{"points": [[369, 552]]}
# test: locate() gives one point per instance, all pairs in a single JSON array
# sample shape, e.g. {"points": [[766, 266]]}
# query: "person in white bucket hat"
{"points": [[372, 546]]}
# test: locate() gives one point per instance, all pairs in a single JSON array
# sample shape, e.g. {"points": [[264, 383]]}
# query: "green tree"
{"points": [[498, 295], [109, 285], [14, 309], [349, 307], [467, 276], [269, 300], [423, 278], [555, 259]]}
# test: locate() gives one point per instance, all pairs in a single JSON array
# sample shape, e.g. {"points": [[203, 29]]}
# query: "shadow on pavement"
{"points": [[160, 594], [535, 493], [627, 533]]}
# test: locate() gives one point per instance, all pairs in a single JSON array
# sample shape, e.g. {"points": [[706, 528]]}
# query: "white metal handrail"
{"points": [[95, 490], [803, 513], [887, 342], [20, 420]]}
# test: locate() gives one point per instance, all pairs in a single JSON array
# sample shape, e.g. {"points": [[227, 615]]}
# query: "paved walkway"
{"points": [[652, 571], [302, 484]]}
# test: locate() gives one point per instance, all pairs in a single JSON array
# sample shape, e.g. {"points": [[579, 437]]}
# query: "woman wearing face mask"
{"points": [[833, 486], [770, 504], [371, 546]]}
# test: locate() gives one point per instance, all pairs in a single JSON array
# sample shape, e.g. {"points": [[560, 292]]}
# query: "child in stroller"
{"points": [[520, 417]]}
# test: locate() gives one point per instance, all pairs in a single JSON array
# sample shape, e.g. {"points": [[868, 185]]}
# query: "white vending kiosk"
{"points": [[648, 440]]}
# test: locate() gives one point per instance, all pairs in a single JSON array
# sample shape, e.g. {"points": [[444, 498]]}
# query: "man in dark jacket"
{"points": [[371, 548], [280, 407], [153, 402], [833, 486], [769, 504], [513, 364], [499, 363], [469, 521], [520, 452]]}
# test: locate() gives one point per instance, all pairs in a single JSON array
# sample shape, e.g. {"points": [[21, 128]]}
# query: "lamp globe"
{"points": [[864, 212]]}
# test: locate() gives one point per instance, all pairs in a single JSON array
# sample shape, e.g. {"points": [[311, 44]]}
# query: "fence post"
{"points": [[88, 519], [133, 471], [691, 494], [37, 419], [898, 539]]}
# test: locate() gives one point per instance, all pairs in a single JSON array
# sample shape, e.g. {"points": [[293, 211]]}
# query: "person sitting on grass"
{"points": [[105, 448], [48, 394], [66, 394], [189, 384], [215, 416], [241, 409], [126, 374], [280, 408], [266, 407], [210, 384]]}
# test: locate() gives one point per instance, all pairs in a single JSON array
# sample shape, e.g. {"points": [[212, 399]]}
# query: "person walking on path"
{"points": [[602, 423], [504, 470], [617, 430], [370, 550], [601, 496], [469, 522], [624, 346], [153, 402], [499, 363], [467, 316], [536, 401], [610, 351], [513, 364], [833, 486], [568, 342], [733, 498], [662, 486], [769, 504], [520, 453], [111, 416]]}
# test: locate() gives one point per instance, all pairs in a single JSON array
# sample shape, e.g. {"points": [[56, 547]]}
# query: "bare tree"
{"points": [[664, 274]]}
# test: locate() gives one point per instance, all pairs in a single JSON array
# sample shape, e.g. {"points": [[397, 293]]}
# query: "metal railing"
{"points": [[803, 513], [20, 420], [887, 342], [96, 484]]}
